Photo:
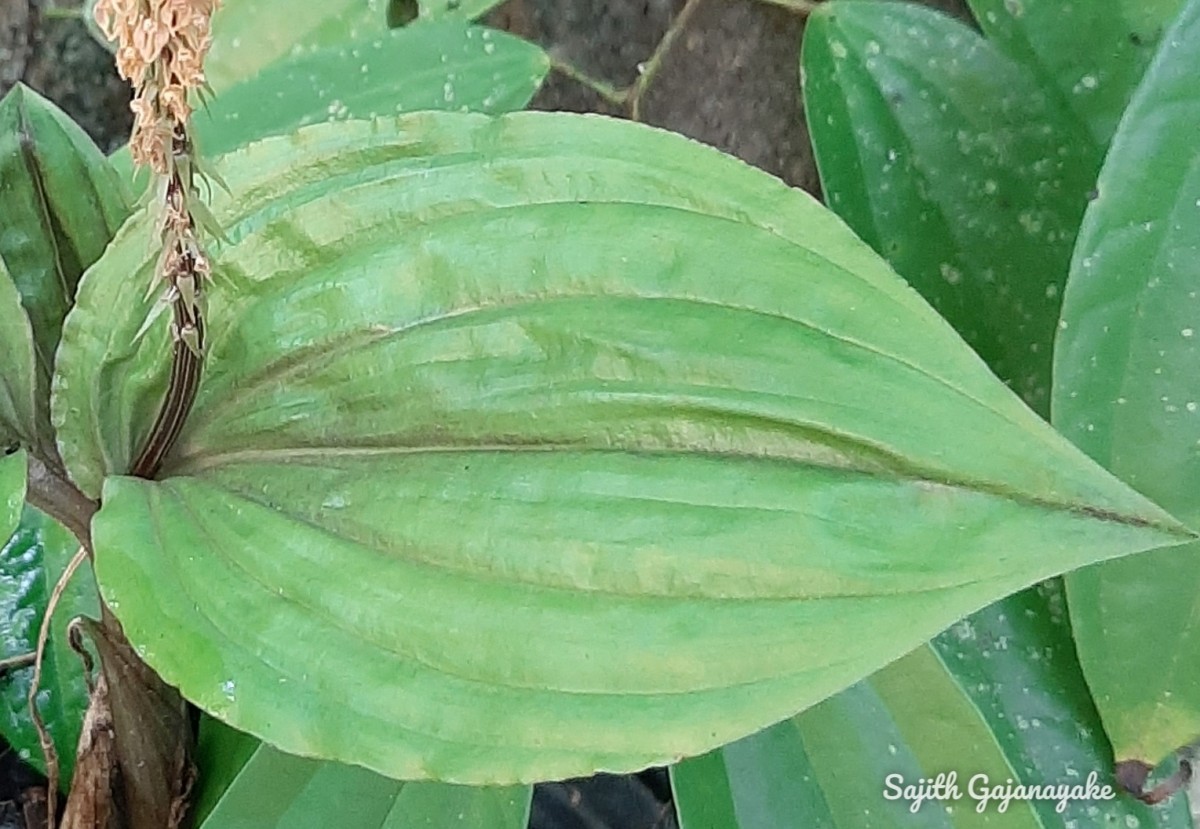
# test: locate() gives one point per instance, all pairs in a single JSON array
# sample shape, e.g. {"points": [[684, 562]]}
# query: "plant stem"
{"points": [[51, 492], [800, 7], [629, 98], [181, 393], [614, 96], [650, 68], [13, 663]]}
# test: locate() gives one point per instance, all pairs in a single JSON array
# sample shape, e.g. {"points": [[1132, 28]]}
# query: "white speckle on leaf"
{"points": [[1031, 223]]}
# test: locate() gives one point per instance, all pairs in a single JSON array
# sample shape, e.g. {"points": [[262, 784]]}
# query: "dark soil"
{"points": [[56, 56], [730, 79], [22, 791]]}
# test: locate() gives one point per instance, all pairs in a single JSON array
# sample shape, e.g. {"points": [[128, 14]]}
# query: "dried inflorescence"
{"points": [[161, 46]]}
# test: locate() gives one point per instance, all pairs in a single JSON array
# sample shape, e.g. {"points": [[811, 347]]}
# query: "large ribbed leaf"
{"points": [[30, 565], [62, 205], [543, 444], [953, 162], [248, 785], [999, 694], [1091, 54], [1126, 391]]}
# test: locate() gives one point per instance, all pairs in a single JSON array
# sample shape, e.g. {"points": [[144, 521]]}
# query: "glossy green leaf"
{"points": [[999, 694], [18, 368], [1091, 55], [250, 35], [561, 436], [30, 565], [1125, 392], [440, 66], [254, 786], [950, 159], [62, 205], [12, 489], [455, 9]]}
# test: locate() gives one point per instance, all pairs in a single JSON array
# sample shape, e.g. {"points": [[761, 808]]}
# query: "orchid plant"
{"points": [[481, 448]]}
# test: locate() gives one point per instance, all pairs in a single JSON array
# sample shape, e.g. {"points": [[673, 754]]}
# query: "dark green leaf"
{"points": [[221, 754], [1125, 392], [18, 369], [949, 159], [999, 694], [253, 786], [1090, 55], [562, 437], [441, 66], [62, 205], [12, 489], [30, 565]]}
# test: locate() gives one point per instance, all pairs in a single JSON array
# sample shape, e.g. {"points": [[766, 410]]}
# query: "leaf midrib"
{"points": [[905, 473]]}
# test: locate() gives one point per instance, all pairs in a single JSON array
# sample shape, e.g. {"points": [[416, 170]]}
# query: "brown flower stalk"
{"points": [[161, 46]]}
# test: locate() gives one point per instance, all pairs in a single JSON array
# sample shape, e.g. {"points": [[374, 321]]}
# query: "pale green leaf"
{"points": [[562, 437], [1125, 392]]}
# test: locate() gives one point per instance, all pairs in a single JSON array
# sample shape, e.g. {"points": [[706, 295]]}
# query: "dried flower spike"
{"points": [[161, 46]]}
